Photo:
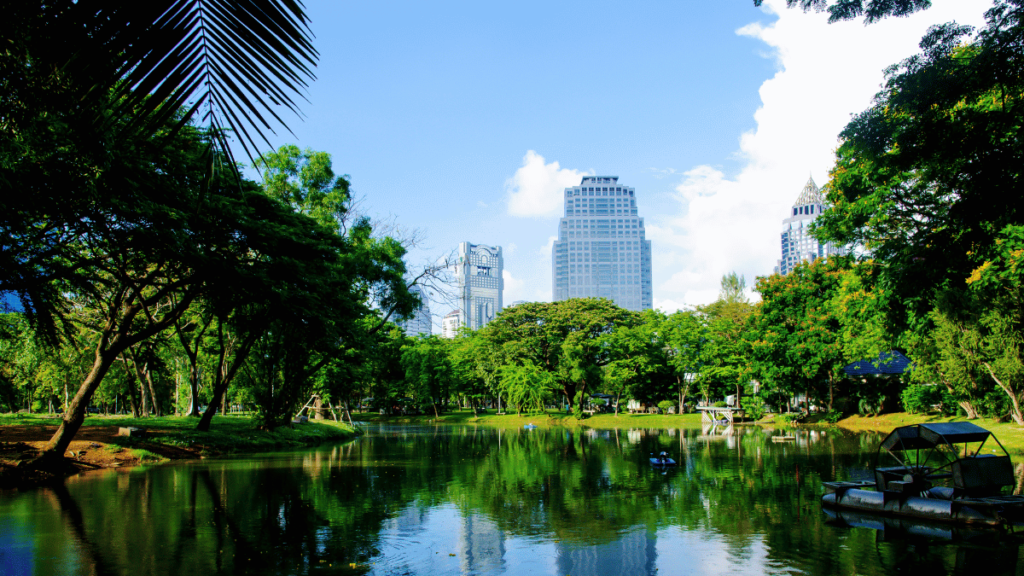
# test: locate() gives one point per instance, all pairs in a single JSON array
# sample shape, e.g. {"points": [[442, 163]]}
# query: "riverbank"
{"points": [[97, 444], [1009, 433]]}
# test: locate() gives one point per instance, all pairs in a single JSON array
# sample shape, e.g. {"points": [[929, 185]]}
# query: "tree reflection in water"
{"points": [[480, 501]]}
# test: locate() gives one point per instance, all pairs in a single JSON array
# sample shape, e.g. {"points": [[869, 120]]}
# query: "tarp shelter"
{"points": [[891, 362]]}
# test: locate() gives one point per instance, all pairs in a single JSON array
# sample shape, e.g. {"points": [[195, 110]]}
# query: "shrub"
{"points": [[753, 407], [871, 406], [577, 406], [919, 398], [720, 404], [833, 416], [665, 405]]}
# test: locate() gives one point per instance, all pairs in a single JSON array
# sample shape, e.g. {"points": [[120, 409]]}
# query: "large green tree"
{"points": [[565, 339], [928, 176], [86, 84]]}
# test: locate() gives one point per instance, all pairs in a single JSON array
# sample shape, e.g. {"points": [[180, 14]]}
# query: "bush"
{"points": [[833, 416], [872, 406], [720, 404], [665, 405], [919, 398], [753, 407], [577, 406]]}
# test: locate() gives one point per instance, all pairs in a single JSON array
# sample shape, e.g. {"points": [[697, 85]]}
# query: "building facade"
{"points": [[451, 323], [420, 323], [797, 243], [601, 249], [479, 271]]}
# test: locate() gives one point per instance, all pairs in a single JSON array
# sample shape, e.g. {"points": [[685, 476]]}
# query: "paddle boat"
{"points": [[945, 472], [662, 460]]}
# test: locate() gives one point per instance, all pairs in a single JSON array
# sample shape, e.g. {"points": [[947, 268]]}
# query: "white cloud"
{"points": [[536, 188], [826, 73], [668, 306], [513, 288], [545, 250]]}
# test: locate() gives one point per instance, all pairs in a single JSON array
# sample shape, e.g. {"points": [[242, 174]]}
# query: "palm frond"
{"points": [[240, 59]]}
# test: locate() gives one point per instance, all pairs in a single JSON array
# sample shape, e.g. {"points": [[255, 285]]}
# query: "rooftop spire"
{"points": [[810, 194]]}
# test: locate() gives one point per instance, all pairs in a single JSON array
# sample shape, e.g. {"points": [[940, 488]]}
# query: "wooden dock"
{"points": [[714, 415]]}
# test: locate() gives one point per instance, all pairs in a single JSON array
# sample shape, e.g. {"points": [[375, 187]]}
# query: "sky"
{"points": [[465, 121]]}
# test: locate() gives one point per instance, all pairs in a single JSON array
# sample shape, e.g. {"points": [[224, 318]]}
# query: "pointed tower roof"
{"points": [[810, 194]]}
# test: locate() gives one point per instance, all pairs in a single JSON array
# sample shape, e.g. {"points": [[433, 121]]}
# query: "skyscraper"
{"points": [[480, 284], [601, 250], [797, 243], [420, 322]]}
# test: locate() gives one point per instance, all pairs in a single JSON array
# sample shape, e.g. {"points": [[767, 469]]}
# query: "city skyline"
{"points": [[712, 110]]}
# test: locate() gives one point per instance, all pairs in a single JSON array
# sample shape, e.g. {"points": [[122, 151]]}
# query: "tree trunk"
{"points": [[193, 408], [1015, 411], [75, 413], [133, 401], [225, 375]]}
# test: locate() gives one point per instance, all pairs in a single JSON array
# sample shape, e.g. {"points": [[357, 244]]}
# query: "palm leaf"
{"points": [[239, 59]]}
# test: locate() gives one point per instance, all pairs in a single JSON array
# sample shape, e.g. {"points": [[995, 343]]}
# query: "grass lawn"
{"points": [[228, 434], [547, 419]]}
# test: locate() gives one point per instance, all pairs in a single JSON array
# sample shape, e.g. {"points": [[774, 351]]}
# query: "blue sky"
{"points": [[464, 120]]}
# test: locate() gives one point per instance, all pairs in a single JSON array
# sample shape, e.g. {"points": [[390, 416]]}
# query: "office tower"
{"points": [[480, 284], [451, 323], [601, 250], [797, 243], [419, 323]]}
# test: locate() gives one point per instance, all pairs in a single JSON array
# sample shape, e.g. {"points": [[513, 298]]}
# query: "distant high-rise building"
{"points": [[480, 283], [451, 323], [797, 243], [420, 323], [601, 249]]}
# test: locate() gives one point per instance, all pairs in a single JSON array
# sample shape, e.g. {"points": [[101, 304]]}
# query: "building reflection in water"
{"points": [[632, 554]]}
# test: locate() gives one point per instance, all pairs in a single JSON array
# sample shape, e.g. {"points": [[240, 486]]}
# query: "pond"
{"points": [[468, 500]]}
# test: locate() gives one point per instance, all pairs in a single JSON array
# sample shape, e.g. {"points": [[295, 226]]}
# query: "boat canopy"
{"points": [[918, 436]]}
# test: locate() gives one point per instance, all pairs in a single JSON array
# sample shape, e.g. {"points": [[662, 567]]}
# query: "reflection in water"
{"points": [[468, 500]]}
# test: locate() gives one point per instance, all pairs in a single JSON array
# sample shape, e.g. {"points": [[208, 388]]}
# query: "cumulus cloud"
{"points": [[545, 250], [536, 188], [513, 288], [826, 73]]}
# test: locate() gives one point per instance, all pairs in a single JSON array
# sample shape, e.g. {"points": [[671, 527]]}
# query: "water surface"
{"points": [[468, 500]]}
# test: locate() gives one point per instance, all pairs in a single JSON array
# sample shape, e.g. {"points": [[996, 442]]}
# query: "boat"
{"points": [[945, 472], [662, 460], [529, 426]]}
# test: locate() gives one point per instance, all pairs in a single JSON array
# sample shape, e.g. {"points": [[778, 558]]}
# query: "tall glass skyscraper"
{"points": [[797, 243], [601, 250]]}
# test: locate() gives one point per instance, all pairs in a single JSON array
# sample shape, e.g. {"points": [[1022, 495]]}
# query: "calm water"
{"points": [[415, 500]]}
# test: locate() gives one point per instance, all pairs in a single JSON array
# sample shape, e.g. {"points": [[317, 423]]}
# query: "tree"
{"points": [[928, 176], [563, 338], [86, 84], [872, 10], [724, 352], [428, 370], [798, 337], [638, 354], [684, 333]]}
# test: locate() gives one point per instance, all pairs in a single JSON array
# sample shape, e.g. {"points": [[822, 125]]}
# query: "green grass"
{"points": [[547, 419], [228, 434]]}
